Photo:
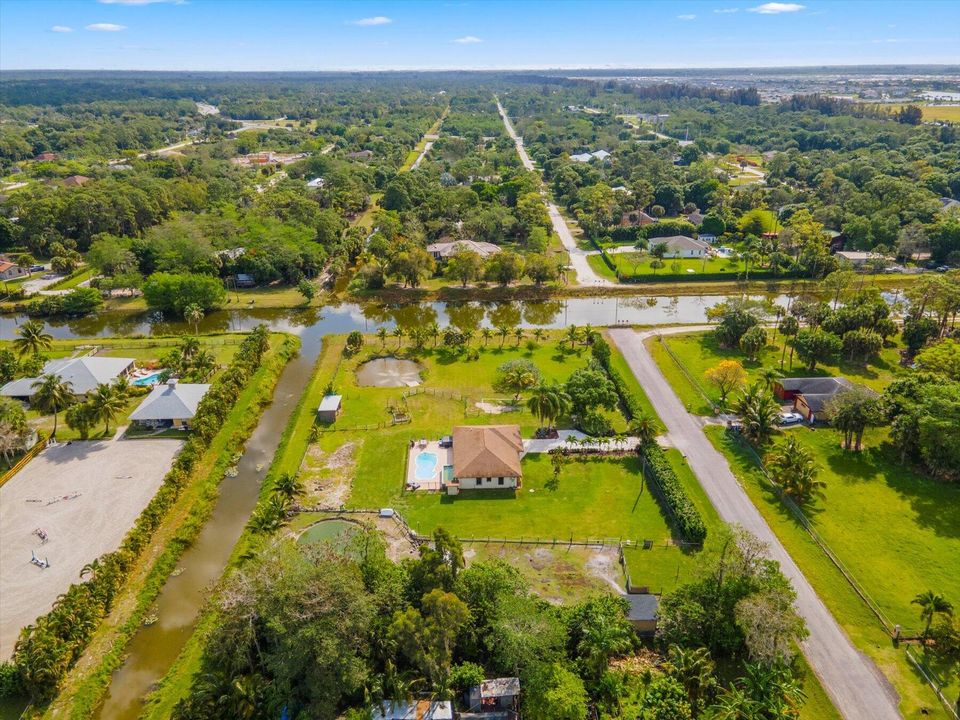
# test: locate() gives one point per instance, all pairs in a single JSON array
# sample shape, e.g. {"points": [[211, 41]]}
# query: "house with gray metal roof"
{"points": [[83, 374], [170, 404]]}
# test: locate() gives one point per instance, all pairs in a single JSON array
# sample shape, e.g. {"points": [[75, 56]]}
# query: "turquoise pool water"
{"points": [[425, 466], [148, 380]]}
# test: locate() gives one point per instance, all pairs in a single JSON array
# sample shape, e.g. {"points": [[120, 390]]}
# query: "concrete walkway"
{"points": [[855, 685], [578, 258]]}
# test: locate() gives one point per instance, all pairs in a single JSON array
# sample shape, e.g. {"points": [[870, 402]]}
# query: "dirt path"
{"points": [[858, 689]]}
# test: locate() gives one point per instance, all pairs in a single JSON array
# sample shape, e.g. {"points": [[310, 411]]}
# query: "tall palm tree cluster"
{"points": [[190, 361], [792, 467]]}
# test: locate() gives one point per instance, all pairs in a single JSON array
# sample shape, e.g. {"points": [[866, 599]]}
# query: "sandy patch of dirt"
{"points": [[328, 477], [496, 408], [604, 564], [399, 546]]}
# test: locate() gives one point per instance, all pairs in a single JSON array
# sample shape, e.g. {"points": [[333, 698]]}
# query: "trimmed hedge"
{"points": [[686, 518], [48, 649], [681, 509]]}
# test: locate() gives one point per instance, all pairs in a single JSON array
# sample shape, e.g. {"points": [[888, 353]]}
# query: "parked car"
{"points": [[790, 418], [942, 268], [37, 268]]}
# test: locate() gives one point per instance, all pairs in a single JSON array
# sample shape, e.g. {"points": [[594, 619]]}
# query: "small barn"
{"points": [[643, 613], [329, 408]]}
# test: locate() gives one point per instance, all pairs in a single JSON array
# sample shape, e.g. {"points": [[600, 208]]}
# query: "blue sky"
{"points": [[305, 35]]}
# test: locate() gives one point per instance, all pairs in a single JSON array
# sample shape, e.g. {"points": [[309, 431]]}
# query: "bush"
{"points": [[679, 507], [595, 424], [173, 293], [76, 303]]}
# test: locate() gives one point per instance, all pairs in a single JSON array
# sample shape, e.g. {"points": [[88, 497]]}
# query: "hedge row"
{"points": [[686, 517], [48, 649]]}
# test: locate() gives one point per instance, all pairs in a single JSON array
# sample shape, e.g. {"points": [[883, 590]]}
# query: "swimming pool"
{"points": [[151, 379], [425, 466]]}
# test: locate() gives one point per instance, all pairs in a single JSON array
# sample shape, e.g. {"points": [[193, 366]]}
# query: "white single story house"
{"points": [[681, 246], [587, 157], [446, 248], [12, 271], [170, 404], [83, 374], [857, 258], [485, 457], [416, 710]]}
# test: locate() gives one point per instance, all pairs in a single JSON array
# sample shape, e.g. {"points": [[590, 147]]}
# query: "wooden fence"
{"points": [[28, 456]]}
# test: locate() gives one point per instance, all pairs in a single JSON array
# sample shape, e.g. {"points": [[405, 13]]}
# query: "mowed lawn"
{"points": [[633, 264], [698, 352], [595, 498]]}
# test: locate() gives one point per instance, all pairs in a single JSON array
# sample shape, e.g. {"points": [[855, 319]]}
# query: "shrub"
{"points": [[678, 505]]}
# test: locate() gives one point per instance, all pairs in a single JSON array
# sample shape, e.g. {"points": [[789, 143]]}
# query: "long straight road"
{"points": [[858, 689], [578, 258]]}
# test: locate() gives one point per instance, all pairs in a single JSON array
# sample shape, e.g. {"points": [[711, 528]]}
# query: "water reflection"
{"points": [[345, 317]]}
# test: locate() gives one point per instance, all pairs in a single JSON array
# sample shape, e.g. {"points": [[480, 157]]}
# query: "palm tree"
{"points": [[503, 331], [51, 395], [601, 640], [539, 334], [486, 333], [791, 465], [518, 334], [433, 331], [769, 377], [548, 402], [398, 333], [467, 337], [693, 667], [644, 428], [931, 604], [91, 569], [122, 387], [758, 411], [32, 340], [106, 405], [189, 347], [382, 335], [572, 336], [193, 314], [202, 365]]}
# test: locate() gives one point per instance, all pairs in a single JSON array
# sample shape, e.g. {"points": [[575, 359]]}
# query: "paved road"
{"points": [[856, 686], [578, 258]]}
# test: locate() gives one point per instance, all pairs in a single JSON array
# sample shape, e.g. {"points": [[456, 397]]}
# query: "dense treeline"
{"points": [[431, 627]]}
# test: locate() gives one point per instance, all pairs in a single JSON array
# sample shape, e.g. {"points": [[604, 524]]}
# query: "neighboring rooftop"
{"points": [[500, 687], [679, 243], [486, 451], [643, 607], [83, 374], [446, 248], [330, 403], [417, 710], [171, 401]]}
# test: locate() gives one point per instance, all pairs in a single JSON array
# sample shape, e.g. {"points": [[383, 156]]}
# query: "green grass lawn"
{"points": [[72, 281], [892, 528], [699, 352], [630, 265]]}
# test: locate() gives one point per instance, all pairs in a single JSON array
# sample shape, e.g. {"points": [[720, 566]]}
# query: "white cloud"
{"points": [[367, 22], [724, 11], [775, 8], [61, 29], [106, 27], [686, 17], [468, 40]]}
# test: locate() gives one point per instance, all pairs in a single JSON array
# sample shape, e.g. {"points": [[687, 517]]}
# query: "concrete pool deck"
{"points": [[444, 457], [85, 496]]}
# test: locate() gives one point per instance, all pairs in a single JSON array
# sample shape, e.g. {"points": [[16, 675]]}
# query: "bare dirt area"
{"points": [[399, 546], [84, 496], [327, 477], [559, 574]]}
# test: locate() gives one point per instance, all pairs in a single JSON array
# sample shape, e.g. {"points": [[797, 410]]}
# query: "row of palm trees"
{"points": [[420, 334], [51, 395]]}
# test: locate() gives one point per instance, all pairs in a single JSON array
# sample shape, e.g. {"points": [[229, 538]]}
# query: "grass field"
{"points": [[699, 351], [638, 265], [892, 528], [932, 113]]}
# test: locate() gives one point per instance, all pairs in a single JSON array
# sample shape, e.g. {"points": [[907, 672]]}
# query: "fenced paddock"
{"points": [[85, 496]]}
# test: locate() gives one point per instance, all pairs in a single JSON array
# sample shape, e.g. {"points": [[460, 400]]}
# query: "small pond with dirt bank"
{"points": [[338, 532], [389, 372]]}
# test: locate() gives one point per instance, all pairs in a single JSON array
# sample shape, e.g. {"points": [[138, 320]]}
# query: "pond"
{"points": [[336, 531], [388, 372]]}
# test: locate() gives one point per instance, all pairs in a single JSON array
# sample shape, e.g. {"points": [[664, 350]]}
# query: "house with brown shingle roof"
{"points": [[485, 457], [76, 181]]}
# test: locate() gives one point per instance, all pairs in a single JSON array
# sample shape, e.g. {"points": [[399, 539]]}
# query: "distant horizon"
{"points": [[952, 67], [471, 35]]}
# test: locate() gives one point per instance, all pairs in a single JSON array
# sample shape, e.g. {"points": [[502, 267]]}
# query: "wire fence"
{"points": [[891, 628], [686, 373]]}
